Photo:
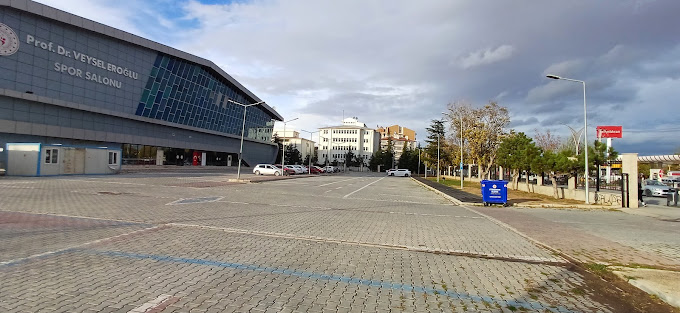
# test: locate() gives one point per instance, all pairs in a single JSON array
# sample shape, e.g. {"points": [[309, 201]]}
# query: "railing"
{"points": [[139, 161]]}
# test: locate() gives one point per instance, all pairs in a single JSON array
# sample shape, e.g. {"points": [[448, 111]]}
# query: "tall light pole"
{"points": [[419, 151], [461, 151], [309, 169], [243, 129], [283, 145], [438, 135], [585, 126]]}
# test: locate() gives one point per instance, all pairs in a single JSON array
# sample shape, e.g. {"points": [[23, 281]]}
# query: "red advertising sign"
{"points": [[609, 131]]}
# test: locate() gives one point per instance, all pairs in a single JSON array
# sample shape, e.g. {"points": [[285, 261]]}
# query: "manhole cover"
{"points": [[195, 200]]}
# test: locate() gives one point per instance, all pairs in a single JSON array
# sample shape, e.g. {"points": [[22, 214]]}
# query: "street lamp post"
{"points": [[243, 129], [283, 145], [585, 127], [309, 169], [461, 151], [438, 135], [419, 151]]}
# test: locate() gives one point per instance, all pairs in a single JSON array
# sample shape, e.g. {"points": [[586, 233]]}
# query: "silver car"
{"points": [[267, 169], [654, 188]]}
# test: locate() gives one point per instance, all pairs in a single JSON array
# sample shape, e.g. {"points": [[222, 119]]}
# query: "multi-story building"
{"points": [[352, 136], [292, 138], [401, 137], [70, 81]]}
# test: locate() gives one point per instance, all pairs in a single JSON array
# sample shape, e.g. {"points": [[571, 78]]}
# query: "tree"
{"points": [[293, 156], [279, 152], [564, 164], [600, 155], [483, 129], [518, 153], [409, 159], [374, 160], [359, 160], [547, 141], [435, 142], [349, 159]]}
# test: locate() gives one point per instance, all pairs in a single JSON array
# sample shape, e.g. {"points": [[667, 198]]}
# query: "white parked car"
{"points": [[298, 169], [329, 169], [399, 172], [267, 169]]}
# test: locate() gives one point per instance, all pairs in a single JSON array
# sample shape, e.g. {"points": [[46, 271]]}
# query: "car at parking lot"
{"points": [[287, 169], [330, 169], [655, 188], [299, 169], [267, 169], [320, 169], [399, 172], [315, 170]]}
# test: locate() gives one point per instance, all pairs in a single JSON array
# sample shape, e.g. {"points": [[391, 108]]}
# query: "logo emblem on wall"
{"points": [[9, 42]]}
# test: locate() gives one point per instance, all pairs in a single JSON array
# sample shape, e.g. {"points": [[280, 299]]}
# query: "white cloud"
{"points": [[487, 56], [390, 61]]}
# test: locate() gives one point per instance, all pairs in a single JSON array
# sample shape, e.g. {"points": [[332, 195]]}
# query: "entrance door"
{"points": [[79, 161], [69, 158]]}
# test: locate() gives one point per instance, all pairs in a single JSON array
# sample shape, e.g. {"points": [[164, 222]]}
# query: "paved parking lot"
{"points": [[197, 243]]}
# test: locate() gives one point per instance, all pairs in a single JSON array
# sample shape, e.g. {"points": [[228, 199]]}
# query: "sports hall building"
{"points": [[66, 80]]}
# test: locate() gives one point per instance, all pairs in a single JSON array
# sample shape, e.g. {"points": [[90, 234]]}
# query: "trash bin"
{"points": [[494, 192], [672, 197]]}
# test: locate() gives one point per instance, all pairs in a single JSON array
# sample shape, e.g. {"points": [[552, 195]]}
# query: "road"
{"points": [[181, 242]]}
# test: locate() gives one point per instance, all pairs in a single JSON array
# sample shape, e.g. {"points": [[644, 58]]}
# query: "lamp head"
{"points": [[553, 76]]}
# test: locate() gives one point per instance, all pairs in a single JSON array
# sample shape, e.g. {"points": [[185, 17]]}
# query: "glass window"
{"points": [[55, 155], [48, 156]]}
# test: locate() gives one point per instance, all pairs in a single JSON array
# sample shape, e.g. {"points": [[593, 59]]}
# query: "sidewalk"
{"points": [[654, 273]]}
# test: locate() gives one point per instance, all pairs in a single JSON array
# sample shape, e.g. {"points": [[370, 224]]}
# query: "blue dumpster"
{"points": [[494, 192]]}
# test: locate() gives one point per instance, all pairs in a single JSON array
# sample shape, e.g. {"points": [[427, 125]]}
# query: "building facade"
{"points": [[401, 137], [352, 136], [292, 138], [68, 80]]}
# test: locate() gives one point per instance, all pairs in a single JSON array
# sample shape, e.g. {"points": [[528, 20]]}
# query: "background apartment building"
{"points": [[352, 136], [400, 136], [292, 138]]}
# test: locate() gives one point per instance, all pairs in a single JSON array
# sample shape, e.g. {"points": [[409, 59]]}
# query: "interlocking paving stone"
{"points": [[351, 243]]}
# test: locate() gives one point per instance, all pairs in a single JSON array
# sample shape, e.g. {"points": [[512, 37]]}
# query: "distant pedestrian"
{"points": [[640, 191]]}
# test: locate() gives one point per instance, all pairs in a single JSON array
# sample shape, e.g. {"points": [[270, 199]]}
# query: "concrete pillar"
{"points": [[501, 173], [629, 165], [159, 156], [571, 183], [539, 180], [469, 171]]}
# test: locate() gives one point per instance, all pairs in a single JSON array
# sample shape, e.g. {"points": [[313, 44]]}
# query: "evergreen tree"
{"points": [[279, 144], [435, 132], [293, 156]]}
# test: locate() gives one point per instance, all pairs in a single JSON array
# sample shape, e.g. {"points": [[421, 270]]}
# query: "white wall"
{"points": [[22, 159]]}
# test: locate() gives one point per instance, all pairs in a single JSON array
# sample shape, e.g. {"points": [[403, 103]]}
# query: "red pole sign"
{"points": [[609, 131]]}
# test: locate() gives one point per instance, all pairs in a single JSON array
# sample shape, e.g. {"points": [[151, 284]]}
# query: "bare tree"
{"points": [[483, 129], [547, 141]]}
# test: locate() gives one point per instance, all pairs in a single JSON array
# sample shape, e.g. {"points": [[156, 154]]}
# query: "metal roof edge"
{"points": [[105, 30]]}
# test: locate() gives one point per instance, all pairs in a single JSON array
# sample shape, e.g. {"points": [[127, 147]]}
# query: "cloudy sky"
{"points": [[402, 61]]}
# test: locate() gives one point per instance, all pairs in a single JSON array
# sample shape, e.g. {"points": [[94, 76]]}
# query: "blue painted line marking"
{"points": [[325, 277]]}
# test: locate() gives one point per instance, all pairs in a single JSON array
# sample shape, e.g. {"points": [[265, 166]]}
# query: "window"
{"points": [[113, 158], [51, 156]]}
